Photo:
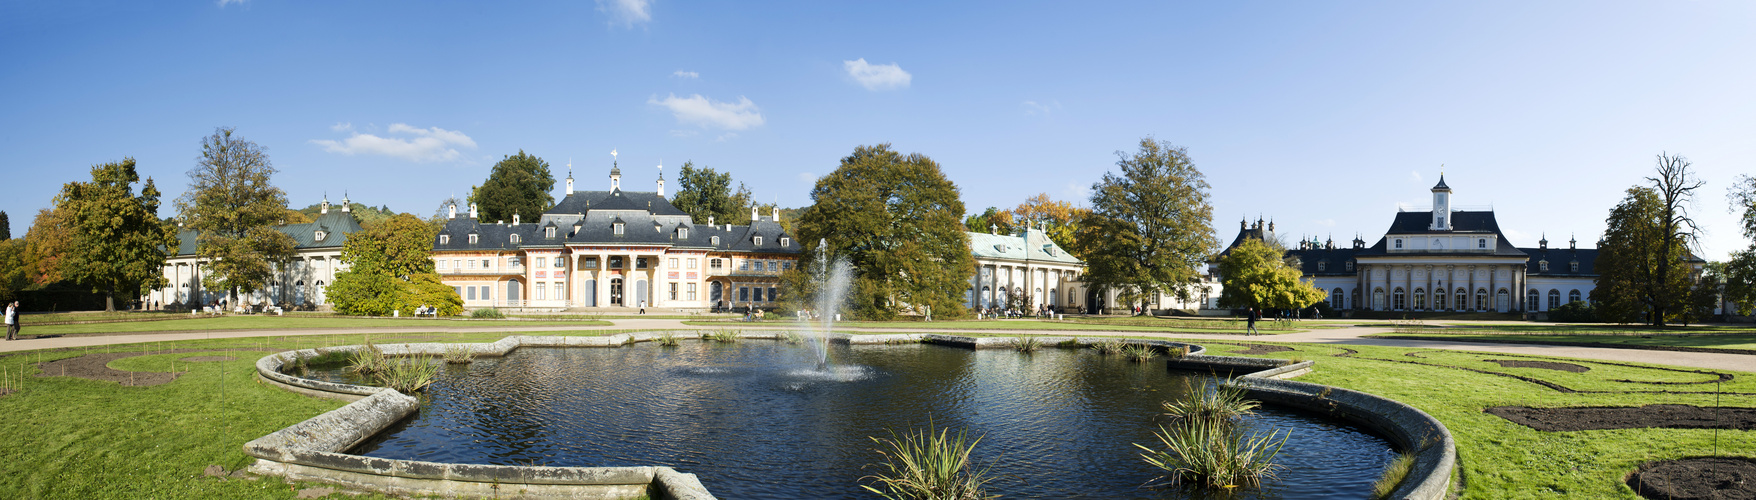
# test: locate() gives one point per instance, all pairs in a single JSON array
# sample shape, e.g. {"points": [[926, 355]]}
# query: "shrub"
{"points": [[1223, 403], [458, 354], [1213, 453], [922, 465], [1577, 311], [1025, 344], [1393, 475], [488, 313]]}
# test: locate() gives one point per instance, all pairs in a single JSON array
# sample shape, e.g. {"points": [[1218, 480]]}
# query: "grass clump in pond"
{"points": [[1139, 353], [1025, 344], [409, 374], [488, 313], [1109, 347], [725, 335], [1393, 475], [793, 338], [458, 355], [1206, 447], [922, 465], [367, 360], [668, 339]]}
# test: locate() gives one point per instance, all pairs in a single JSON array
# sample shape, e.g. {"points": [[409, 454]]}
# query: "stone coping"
{"points": [[313, 449]]}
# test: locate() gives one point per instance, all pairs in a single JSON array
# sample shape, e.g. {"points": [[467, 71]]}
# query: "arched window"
{"points": [[1573, 296], [1420, 299], [1378, 299], [682, 233], [515, 237], [1482, 243], [1399, 243], [1502, 300], [1335, 299], [549, 232], [1397, 301], [1554, 299], [1462, 301], [1534, 300], [1439, 299], [1481, 299]]}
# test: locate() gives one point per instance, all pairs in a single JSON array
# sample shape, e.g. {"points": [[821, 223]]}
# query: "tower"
{"points": [[615, 177], [569, 177], [661, 180], [1441, 206]]}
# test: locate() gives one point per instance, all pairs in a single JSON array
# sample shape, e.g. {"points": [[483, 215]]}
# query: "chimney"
{"points": [[452, 213], [754, 215], [776, 212], [472, 210], [515, 219], [710, 221]]}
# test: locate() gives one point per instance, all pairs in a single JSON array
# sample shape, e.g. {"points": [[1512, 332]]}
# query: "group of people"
{"points": [[1013, 312], [12, 323]]}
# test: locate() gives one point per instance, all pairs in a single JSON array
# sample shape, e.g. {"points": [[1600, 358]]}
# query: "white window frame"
{"points": [[616, 228], [693, 262]]}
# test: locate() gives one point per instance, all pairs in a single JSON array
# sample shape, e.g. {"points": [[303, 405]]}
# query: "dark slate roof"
{"points": [[1336, 257], [1560, 260], [489, 236], [1416, 223], [1441, 184], [584, 201], [336, 225]]}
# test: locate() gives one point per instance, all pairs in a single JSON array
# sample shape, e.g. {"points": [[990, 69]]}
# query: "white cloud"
{"points": [[726, 137], [1078, 192], [425, 144], [1326, 222], [1415, 176], [704, 112], [807, 177], [627, 12], [685, 133], [222, 3], [877, 76], [1037, 108], [686, 74]]}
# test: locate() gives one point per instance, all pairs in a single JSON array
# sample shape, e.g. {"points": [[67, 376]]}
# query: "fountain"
{"points": [[832, 279]]}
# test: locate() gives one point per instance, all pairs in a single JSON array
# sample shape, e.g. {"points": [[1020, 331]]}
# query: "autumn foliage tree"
{"points": [[1150, 229], [1644, 274], [1255, 274], [118, 242], [234, 209], [390, 268]]}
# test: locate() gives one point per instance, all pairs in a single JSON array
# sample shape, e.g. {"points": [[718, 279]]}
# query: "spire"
{"points": [[345, 203], [323, 209], [570, 176], [1572, 243], [661, 179], [1544, 243], [615, 172]]}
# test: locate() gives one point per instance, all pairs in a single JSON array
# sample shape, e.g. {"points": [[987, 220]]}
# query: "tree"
{"points": [[1630, 287], [390, 268], [45, 248], [519, 184], [1060, 218], [297, 217], [118, 240], [1740, 271], [1255, 275], [233, 208], [707, 195], [5, 226], [991, 220], [14, 276], [1150, 229], [898, 222]]}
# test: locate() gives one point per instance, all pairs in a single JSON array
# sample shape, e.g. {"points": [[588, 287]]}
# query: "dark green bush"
{"points": [[1577, 311]]}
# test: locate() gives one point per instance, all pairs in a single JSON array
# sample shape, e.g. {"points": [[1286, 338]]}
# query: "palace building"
{"points": [[1028, 263], [1443, 260], [614, 248], [303, 283]]}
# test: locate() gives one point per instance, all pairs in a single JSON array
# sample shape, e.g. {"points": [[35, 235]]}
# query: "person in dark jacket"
{"points": [[1250, 325]]}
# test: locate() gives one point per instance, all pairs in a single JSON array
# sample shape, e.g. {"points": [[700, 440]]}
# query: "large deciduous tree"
{"points": [[1255, 274], [519, 184], [233, 207], [118, 240], [1740, 272], [898, 221], [704, 194], [1150, 229], [1643, 274], [390, 268], [1060, 219], [992, 220], [45, 248]]}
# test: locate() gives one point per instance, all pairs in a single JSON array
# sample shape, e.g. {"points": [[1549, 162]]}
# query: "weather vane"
{"points": [[612, 154]]}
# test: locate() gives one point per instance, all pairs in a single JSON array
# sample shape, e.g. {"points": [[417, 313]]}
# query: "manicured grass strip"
{"points": [[279, 323], [1735, 344]]}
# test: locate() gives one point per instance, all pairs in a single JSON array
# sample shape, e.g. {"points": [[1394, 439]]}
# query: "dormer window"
{"points": [[1543, 266], [549, 232], [682, 233], [786, 242], [1574, 265], [616, 228], [713, 240], [757, 240], [1322, 265], [1482, 243], [1399, 244], [1350, 266], [472, 239], [514, 238], [321, 234], [444, 239]]}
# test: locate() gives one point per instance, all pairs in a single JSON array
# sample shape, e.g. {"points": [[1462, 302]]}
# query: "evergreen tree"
{"points": [[705, 193], [1150, 229], [233, 207], [519, 184], [1256, 275], [898, 222], [5, 226], [118, 240]]}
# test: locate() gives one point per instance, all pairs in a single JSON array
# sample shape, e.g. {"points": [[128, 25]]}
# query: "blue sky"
{"points": [[1323, 116]]}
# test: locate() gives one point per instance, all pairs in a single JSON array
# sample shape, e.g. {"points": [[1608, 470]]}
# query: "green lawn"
{"points": [[74, 438], [1746, 342], [260, 322]]}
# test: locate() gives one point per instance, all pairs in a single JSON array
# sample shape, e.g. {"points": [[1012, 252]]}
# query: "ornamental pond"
{"points": [[757, 419]]}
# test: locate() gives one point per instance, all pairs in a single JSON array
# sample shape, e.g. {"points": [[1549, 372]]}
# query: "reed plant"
{"points": [[458, 355], [1212, 453], [367, 360], [923, 465], [409, 374], [1393, 475], [1139, 353], [668, 339], [1109, 347], [1025, 344], [725, 335], [1220, 403], [793, 338]]}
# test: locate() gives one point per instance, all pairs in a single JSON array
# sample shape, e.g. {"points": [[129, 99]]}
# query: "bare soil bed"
{"points": [[1696, 478], [96, 367], [1546, 365], [1635, 417]]}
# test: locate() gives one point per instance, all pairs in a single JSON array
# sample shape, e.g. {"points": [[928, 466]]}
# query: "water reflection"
{"points": [[755, 420]]}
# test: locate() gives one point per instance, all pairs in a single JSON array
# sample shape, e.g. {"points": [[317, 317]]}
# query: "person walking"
{"points": [[12, 321], [1250, 323]]}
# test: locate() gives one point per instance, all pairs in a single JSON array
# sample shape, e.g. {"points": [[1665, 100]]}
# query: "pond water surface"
{"points": [[754, 419]]}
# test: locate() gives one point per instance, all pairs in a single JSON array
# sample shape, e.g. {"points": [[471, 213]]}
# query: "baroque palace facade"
{"points": [[614, 248], [303, 283], [1444, 260]]}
